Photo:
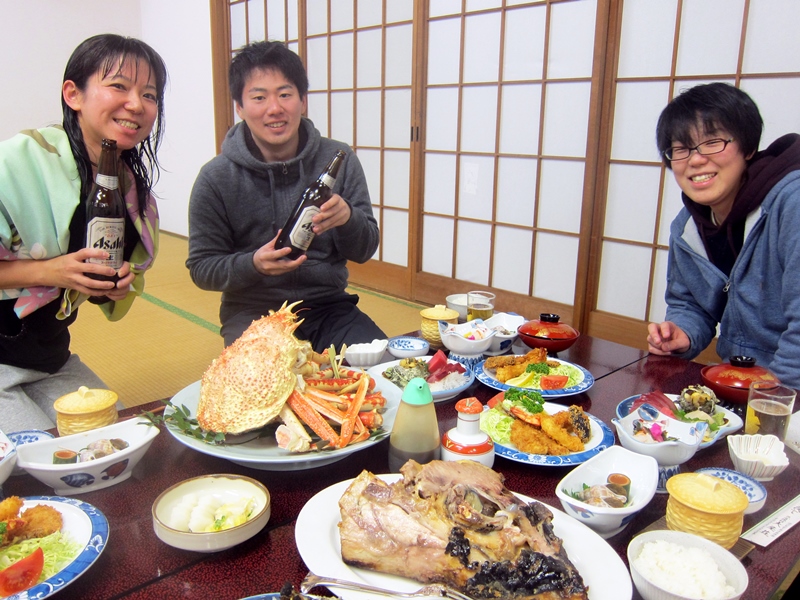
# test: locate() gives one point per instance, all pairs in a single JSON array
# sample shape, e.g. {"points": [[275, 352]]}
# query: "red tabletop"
{"points": [[137, 565]]}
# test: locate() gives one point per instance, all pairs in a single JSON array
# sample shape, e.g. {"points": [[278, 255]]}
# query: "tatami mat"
{"points": [[171, 334]]}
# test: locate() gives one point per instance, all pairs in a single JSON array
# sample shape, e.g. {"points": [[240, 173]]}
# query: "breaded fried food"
{"points": [[580, 423], [528, 438], [503, 374], [41, 520], [535, 355], [10, 507], [560, 434]]}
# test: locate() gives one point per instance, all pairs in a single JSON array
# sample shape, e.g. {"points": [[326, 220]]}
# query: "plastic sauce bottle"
{"points": [[415, 433]]}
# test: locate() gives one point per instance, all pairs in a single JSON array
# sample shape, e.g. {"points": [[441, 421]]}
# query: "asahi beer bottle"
{"points": [[297, 232], [105, 215]]}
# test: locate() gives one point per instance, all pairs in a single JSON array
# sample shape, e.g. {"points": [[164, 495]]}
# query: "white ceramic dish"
{"points": [[755, 492], [366, 355], [762, 457], [317, 537], [226, 488], [27, 436], [689, 437], [606, 521], [85, 525], [8, 457], [502, 342], [79, 478], [585, 380], [263, 452], [408, 347], [467, 339], [376, 373], [733, 422], [458, 303], [731, 567]]}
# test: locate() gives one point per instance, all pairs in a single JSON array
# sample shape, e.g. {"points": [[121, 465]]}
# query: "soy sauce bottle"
{"points": [[415, 433], [297, 232], [105, 216]]}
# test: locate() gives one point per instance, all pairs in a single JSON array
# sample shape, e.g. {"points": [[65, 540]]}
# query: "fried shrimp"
{"points": [[10, 507], [535, 355], [528, 438], [561, 435]]}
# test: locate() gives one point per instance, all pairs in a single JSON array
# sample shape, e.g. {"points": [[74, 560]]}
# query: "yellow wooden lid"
{"points": [[84, 401], [439, 313], [706, 493]]}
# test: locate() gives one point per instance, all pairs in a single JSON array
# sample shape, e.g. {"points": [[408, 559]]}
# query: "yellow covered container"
{"points": [[706, 506], [430, 323], [85, 409]]}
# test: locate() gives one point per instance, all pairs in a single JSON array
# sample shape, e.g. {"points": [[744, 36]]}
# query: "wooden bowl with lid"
{"points": [[731, 380]]}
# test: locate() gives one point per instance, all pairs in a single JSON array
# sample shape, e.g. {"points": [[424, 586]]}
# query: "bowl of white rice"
{"points": [[673, 565]]}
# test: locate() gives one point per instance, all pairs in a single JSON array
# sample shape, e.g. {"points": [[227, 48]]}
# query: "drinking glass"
{"points": [[480, 305], [769, 407]]}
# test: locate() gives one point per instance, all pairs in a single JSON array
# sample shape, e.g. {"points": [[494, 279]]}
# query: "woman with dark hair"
{"points": [[113, 88], [734, 250]]}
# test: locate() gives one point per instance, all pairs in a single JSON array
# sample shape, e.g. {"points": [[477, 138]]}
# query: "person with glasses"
{"points": [[734, 250]]}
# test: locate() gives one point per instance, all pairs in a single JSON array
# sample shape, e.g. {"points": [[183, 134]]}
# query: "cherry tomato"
{"points": [[553, 382], [495, 399], [22, 574]]}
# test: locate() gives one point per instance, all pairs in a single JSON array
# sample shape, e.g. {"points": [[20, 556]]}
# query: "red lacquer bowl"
{"points": [[731, 380], [547, 332]]}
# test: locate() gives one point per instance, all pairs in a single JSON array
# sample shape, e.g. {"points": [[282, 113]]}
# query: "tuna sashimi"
{"points": [[658, 400]]}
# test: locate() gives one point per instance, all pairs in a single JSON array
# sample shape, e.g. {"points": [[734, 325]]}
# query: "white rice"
{"points": [[689, 572], [452, 381]]}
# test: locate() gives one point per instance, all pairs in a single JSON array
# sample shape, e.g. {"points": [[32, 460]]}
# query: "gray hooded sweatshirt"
{"points": [[238, 204]]}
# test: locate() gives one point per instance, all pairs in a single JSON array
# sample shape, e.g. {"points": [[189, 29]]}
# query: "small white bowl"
{"points": [[755, 492], [408, 347], [689, 437], [27, 436], [79, 478], [8, 457], [728, 564], [226, 488], [762, 457], [466, 339], [606, 521], [458, 302], [502, 342], [366, 355]]}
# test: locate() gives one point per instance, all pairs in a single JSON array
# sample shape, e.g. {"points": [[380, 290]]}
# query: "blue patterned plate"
{"points": [[486, 377], [86, 525], [755, 492], [27, 436], [732, 420], [602, 438]]}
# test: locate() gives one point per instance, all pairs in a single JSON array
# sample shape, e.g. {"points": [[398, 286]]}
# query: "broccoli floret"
{"points": [[538, 368]]}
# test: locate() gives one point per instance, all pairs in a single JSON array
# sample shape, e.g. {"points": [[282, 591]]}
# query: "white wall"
{"points": [[38, 36]]}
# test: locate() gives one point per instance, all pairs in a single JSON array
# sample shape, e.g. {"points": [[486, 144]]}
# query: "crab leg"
{"points": [[351, 419], [312, 418]]}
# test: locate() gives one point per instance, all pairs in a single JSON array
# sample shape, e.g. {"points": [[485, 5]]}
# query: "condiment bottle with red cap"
{"points": [[466, 441]]}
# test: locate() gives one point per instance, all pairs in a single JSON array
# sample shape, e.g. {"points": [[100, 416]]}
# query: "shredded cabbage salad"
{"points": [[532, 379], [59, 550]]}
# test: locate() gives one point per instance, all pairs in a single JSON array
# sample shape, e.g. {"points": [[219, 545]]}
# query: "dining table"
{"points": [[137, 565]]}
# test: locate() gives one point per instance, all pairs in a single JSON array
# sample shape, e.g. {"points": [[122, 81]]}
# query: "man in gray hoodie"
{"points": [[243, 197]]}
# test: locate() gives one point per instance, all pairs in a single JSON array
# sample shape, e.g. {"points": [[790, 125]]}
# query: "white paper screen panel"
{"points": [[630, 206], [555, 266], [648, 29], [519, 119], [441, 122], [571, 39], [341, 15], [370, 12], [398, 122], [318, 111], [398, 47], [316, 17], [256, 21], [440, 191], [560, 195], [658, 306], [516, 191], [369, 61], [482, 48], [342, 61], [341, 127], [624, 278], [444, 51], [238, 26], [317, 63], [394, 237], [511, 266], [775, 48], [396, 168], [437, 237], [473, 252], [396, 10], [566, 118], [368, 118], [778, 101], [523, 57], [479, 107], [371, 163], [638, 104], [671, 205], [278, 19], [476, 187], [703, 49]]}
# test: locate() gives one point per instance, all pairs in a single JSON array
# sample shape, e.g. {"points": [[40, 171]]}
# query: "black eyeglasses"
{"points": [[710, 147]]}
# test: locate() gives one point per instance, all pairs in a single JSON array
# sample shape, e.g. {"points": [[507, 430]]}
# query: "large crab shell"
{"points": [[248, 384]]}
